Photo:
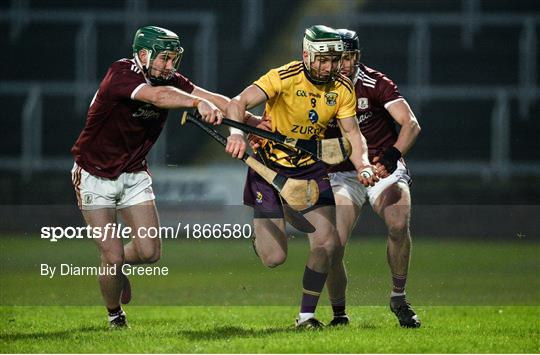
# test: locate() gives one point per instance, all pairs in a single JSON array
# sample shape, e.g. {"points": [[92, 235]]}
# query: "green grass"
{"points": [[472, 296], [251, 329], [203, 273]]}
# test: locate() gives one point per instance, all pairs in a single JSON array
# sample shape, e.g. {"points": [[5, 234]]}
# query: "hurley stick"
{"points": [[299, 194]]}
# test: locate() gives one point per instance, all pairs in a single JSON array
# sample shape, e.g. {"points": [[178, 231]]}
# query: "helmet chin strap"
{"points": [[355, 74], [148, 56], [143, 67], [146, 67], [356, 68]]}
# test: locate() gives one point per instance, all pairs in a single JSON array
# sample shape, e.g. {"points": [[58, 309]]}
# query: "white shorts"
{"points": [[346, 184], [94, 192]]}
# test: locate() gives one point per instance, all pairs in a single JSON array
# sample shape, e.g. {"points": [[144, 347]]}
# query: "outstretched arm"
{"points": [[252, 96], [359, 155], [220, 101], [236, 144], [236, 110], [169, 97]]}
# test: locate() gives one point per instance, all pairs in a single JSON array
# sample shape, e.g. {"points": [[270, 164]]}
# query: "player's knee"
{"points": [[273, 259], [398, 229], [334, 252], [150, 256], [325, 250], [327, 240]]}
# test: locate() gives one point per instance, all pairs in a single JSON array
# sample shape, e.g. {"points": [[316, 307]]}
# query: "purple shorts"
{"points": [[266, 201]]}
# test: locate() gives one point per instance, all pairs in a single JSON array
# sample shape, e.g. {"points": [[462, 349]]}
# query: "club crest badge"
{"points": [[313, 116], [363, 103], [331, 98], [259, 197]]}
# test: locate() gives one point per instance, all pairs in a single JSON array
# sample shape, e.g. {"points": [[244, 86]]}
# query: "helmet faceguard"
{"points": [[323, 49], [352, 48], [160, 45]]}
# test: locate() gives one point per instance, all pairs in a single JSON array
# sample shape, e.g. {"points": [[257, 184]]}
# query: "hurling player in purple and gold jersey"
{"points": [[379, 106], [302, 97], [110, 174]]}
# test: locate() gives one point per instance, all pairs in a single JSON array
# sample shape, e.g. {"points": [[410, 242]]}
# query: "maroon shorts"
{"points": [[265, 200]]}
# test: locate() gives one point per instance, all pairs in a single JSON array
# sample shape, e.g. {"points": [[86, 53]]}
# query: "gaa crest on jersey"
{"points": [[331, 98], [313, 116], [259, 197], [363, 103]]}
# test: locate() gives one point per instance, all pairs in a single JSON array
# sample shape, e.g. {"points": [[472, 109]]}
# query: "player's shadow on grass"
{"points": [[51, 335], [228, 332]]}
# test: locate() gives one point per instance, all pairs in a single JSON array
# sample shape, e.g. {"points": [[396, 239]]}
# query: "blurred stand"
{"points": [[469, 68], [213, 195]]}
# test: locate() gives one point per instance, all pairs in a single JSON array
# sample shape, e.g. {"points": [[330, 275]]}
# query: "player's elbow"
{"points": [[235, 108], [158, 97], [415, 128], [233, 103]]}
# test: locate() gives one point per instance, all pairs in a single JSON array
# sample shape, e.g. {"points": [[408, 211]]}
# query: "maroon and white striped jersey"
{"points": [[374, 93], [120, 130]]}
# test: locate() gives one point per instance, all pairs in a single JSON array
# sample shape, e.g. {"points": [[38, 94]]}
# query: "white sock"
{"points": [[305, 316], [395, 294]]}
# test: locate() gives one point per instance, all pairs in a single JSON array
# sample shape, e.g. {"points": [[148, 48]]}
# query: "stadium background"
{"points": [[468, 68]]}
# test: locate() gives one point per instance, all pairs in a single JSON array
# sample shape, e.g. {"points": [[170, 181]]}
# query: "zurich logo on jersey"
{"points": [[313, 116]]}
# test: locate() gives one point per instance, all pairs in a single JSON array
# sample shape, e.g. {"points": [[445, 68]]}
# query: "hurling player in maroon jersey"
{"points": [[379, 107], [110, 174]]}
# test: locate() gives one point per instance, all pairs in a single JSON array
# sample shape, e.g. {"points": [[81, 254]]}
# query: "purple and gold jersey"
{"points": [[301, 109], [374, 93], [120, 130]]}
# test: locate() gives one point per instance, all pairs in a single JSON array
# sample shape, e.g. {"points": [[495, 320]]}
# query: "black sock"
{"points": [[338, 306], [115, 311], [398, 283], [313, 283]]}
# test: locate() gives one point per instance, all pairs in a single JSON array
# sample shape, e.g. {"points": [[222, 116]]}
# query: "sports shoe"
{"points": [[310, 323], [339, 321], [404, 312], [118, 321], [126, 291]]}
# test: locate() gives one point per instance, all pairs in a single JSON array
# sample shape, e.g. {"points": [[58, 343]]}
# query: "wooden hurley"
{"points": [[299, 194], [331, 151]]}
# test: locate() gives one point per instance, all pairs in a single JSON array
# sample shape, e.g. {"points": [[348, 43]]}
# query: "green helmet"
{"points": [[156, 40], [322, 41]]}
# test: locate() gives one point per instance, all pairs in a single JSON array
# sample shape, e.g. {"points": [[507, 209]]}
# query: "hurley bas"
{"points": [[128, 270]]}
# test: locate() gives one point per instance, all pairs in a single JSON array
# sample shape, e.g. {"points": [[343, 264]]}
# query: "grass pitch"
{"points": [[249, 329], [472, 297]]}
